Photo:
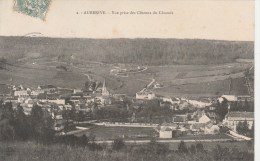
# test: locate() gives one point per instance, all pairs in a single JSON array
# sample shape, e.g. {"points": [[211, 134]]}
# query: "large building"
{"points": [[22, 93], [145, 95], [233, 118]]}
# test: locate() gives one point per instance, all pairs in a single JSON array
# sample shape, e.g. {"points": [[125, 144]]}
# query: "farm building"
{"points": [[204, 119], [165, 133], [229, 98], [77, 91], [211, 129], [199, 104], [197, 128]]}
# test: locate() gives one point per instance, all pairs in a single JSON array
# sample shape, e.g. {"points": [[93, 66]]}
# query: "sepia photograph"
{"points": [[123, 80]]}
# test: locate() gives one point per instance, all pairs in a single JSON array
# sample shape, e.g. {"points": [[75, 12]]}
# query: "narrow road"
{"points": [[89, 78], [168, 141], [127, 125], [153, 80]]}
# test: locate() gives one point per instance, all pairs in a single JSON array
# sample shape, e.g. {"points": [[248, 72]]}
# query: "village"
{"points": [[168, 117]]}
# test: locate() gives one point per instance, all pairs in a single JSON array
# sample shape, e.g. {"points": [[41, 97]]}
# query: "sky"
{"points": [[192, 19]]}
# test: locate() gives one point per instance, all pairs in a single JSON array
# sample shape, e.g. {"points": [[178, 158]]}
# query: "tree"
{"points": [[87, 85], [6, 130], [21, 126], [83, 140], [118, 144], [8, 112], [6, 122], [199, 147], [81, 116], [222, 109], [189, 117], [192, 149], [182, 147], [42, 124], [221, 153], [3, 62], [242, 127], [252, 131]]}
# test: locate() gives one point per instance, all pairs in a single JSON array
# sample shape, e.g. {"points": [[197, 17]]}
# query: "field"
{"points": [[213, 88], [201, 137], [31, 151], [241, 145], [139, 133], [110, 133], [177, 80]]}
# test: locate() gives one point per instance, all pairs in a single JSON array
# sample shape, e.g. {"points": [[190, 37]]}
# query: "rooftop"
{"points": [[241, 114]]}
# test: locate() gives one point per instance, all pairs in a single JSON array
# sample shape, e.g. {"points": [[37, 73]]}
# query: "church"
{"points": [[105, 98]]}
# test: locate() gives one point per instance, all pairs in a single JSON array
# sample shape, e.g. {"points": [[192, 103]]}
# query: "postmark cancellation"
{"points": [[33, 8]]}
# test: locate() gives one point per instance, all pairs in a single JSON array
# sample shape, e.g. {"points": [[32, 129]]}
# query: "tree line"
{"points": [[130, 51], [15, 125]]}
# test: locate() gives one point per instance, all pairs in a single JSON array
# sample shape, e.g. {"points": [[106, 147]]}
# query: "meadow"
{"points": [[31, 151], [110, 133], [202, 89]]}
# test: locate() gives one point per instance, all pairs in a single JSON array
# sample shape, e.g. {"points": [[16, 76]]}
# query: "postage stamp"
{"points": [[33, 8]]}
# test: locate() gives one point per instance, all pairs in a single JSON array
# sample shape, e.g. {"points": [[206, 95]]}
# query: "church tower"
{"points": [[104, 89]]}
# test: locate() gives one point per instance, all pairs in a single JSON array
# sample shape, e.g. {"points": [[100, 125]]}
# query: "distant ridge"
{"points": [[142, 51]]}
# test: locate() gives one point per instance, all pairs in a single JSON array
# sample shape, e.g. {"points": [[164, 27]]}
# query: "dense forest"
{"points": [[130, 51]]}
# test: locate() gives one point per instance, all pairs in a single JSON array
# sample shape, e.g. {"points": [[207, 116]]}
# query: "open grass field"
{"points": [[201, 137], [31, 151], [213, 88], [110, 133], [238, 86], [241, 145], [30, 77]]}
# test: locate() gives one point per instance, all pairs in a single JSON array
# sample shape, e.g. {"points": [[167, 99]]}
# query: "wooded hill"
{"points": [[130, 51]]}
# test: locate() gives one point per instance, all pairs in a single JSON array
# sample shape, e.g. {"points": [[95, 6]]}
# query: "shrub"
{"points": [[182, 148], [118, 144]]}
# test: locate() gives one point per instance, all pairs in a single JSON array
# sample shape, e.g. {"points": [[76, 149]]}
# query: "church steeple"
{"points": [[104, 89]]}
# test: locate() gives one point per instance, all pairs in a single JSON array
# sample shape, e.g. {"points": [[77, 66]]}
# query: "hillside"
{"points": [[131, 51]]}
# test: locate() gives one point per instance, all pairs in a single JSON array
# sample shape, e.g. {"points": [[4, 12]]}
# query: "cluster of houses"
{"points": [[198, 123], [189, 124], [49, 97], [203, 120]]}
